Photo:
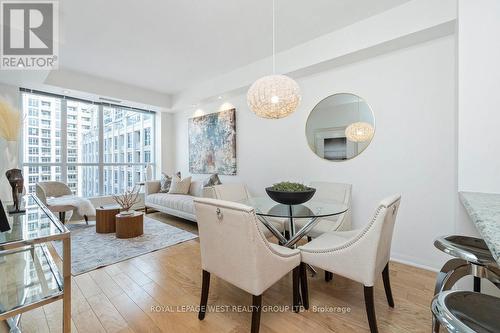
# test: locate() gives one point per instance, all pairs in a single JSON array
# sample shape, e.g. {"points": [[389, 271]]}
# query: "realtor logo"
{"points": [[29, 35]]}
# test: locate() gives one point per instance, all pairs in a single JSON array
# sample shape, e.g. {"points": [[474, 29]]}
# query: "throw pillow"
{"points": [[166, 181], [179, 186], [212, 181]]}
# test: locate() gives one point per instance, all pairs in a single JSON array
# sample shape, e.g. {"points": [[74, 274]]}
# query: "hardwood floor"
{"points": [[159, 292]]}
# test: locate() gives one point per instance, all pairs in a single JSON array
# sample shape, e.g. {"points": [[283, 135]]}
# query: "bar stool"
{"points": [[466, 311], [472, 257]]}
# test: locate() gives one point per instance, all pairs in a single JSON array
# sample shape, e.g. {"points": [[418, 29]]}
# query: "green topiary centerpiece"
{"points": [[289, 187], [289, 193]]}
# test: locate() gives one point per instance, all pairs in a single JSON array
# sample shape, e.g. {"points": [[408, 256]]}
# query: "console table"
{"points": [[29, 276]]}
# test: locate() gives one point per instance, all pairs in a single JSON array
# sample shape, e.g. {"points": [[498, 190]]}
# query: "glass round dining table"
{"points": [[266, 208]]}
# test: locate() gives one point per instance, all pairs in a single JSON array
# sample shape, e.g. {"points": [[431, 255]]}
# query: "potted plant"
{"points": [[289, 193], [127, 200]]}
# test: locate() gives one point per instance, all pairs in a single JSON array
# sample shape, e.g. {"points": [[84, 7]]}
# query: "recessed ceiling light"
{"points": [[220, 97], [66, 91]]}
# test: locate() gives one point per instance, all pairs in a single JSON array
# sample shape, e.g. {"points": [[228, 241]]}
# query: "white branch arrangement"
{"points": [[10, 121], [127, 199]]}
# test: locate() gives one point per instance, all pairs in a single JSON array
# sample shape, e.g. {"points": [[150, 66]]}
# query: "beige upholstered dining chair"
{"points": [[238, 192], [234, 248], [360, 255], [230, 191], [328, 192]]}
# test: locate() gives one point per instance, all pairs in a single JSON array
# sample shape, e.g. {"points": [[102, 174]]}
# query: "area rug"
{"points": [[90, 250]]}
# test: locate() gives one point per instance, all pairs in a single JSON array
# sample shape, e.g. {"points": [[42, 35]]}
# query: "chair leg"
{"points": [[328, 276], [309, 238], [303, 285], [62, 217], [387, 286], [477, 284], [295, 284], [86, 218], [256, 310], [370, 309], [205, 285]]}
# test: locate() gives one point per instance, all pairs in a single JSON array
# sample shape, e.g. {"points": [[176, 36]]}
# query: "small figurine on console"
{"points": [[16, 180]]}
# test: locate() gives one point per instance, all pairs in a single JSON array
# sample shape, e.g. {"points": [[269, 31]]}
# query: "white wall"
{"points": [[478, 107], [479, 97], [412, 93], [166, 144]]}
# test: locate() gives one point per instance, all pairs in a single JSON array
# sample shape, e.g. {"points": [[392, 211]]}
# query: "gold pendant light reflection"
{"points": [[359, 131], [274, 96]]}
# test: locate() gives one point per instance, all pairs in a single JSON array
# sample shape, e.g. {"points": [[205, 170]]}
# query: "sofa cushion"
{"points": [[196, 188], [212, 181], [166, 181], [173, 201], [179, 186]]}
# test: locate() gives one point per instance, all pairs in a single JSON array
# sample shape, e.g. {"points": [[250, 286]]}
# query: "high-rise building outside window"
{"points": [[62, 139]]}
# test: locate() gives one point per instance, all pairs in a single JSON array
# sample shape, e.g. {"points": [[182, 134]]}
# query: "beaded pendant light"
{"points": [[274, 96], [359, 131]]}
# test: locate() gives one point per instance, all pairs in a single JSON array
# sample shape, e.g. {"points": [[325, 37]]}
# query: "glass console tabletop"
{"points": [[36, 225]]}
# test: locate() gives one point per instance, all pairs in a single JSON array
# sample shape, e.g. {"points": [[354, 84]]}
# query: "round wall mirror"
{"points": [[340, 127]]}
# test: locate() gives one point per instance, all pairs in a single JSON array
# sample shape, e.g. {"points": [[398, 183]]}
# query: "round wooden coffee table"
{"points": [[105, 221], [129, 226]]}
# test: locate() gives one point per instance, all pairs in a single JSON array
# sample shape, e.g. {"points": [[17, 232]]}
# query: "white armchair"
{"points": [[234, 248], [327, 191], [58, 198], [360, 255]]}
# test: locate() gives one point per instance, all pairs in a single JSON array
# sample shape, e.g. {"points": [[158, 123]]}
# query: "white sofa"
{"points": [[180, 205]]}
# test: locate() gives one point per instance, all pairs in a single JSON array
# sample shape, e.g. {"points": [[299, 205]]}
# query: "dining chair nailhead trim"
{"points": [[266, 242], [355, 240]]}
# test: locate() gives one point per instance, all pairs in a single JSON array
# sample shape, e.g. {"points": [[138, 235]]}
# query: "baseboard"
{"points": [[410, 262]]}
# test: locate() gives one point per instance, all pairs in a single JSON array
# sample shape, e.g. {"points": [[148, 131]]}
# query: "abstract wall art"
{"points": [[212, 143]]}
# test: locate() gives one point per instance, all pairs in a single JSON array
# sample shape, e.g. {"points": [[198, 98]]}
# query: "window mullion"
{"points": [[101, 150], [64, 140]]}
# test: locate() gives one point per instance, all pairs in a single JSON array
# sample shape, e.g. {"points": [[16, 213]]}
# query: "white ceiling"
{"points": [[169, 45]]}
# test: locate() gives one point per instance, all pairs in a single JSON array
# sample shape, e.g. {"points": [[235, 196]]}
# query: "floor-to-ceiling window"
{"points": [[95, 148]]}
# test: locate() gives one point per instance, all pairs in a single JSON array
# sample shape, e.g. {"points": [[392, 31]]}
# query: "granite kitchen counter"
{"points": [[484, 210]]}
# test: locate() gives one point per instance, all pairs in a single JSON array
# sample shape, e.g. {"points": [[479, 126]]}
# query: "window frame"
{"points": [[63, 163]]}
